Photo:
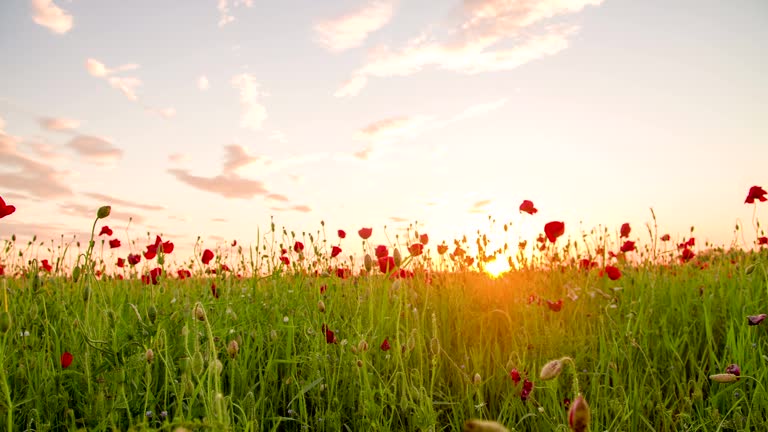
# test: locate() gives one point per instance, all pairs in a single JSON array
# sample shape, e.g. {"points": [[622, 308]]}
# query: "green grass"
{"points": [[643, 353]]}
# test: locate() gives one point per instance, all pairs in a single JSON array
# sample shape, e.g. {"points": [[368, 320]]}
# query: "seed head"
{"points": [[476, 425], [150, 355], [724, 378], [233, 348], [551, 370], [321, 306], [103, 212]]}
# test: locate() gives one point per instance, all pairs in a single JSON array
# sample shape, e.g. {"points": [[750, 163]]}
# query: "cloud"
{"points": [[278, 197], [163, 112], [475, 46], [59, 124], [394, 128], [479, 206], [253, 114], [397, 219], [178, 158], [36, 178], [109, 200], [225, 15], [202, 83], [2, 126], [43, 231], [351, 30], [95, 149], [228, 186], [236, 157], [89, 212], [127, 85], [278, 136], [45, 151], [480, 109], [297, 208], [47, 14]]}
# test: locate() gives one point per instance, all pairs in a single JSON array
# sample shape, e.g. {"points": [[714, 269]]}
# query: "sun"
{"points": [[496, 268]]}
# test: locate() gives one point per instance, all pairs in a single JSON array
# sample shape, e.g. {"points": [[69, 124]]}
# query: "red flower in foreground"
{"points": [[527, 206], [586, 264], [183, 273], [687, 255], [121, 262], [424, 239], [386, 264], [335, 251], [106, 230], [330, 337], [341, 233], [298, 247], [665, 237], [2, 270], [755, 193], [323, 288], [754, 320], [214, 291], [154, 276], [515, 376], [733, 368], [45, 265], [381, 251], [5, 209], [762, 241], [553, 230], [343, 273], [628, 246], [527, 389], [114, 243], [442, 248], [207, 256], [625, 230], [66, 359], [134, 259], [613, 272], [385, 345], [284, 259], [416, 249], [555, 306], [365, 233]]}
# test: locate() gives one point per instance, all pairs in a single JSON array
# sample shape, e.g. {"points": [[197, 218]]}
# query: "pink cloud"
{"points": [[237, 157], [47, 14], [109, 200], [228, 186], [95, 149], [178, 158], [253, 113], [127, 85], [351, 30], [28, 175], [59, 124], [89, 212], [225, 13], [202, 83], [473, 47]]}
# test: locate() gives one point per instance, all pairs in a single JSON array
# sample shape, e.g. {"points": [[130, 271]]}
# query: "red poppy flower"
{"points": [[381, 251], [755, 193], [555, 306], [341, 234], [365, 233], [2, 270], [733, 368], [154, 274], [416, 249], [45, 265], [628, 246], [586, 264], [5, 209], [553, 230], [106, 230], [686, 255], [298, 247], [625, 230], [754, 320], [134, 259], [335, 251], [214, 291], [613, 272], [515, 376], [665, 237], [442, 248], [527, 389], [114, 243], [385, 345], [66, 359], [424, 239], [183, 273], [207, 256], [386, 264], [284, 259], [121, 262], [342, 272], [151, 252], [566, 402], [527, 206], [330, 337], [762, 241], [323, 288]]}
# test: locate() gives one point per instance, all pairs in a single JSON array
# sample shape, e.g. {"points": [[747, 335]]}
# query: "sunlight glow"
{"points": [[496, 268]]}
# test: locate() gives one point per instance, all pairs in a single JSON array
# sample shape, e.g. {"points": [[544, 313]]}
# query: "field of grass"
{"points": [[285, 340]]}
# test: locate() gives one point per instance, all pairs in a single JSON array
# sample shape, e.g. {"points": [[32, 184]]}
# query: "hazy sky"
{"points": [[208, 117]]}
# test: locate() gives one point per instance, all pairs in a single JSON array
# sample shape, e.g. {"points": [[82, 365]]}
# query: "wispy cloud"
{"points": [[237, 157], [89, 212], [394, 128], [228, 186], [480, 109], [2, 126], [277, 197], [225, 13], [59, 124], [350, 30], [202, 83], [253, 113], [479, 206], [126, 84], [178, 158], [95, 149], [28, 175], [474, 47], [54, 18], [163, 112], [45, 151], [296, 208], [110, 200]]}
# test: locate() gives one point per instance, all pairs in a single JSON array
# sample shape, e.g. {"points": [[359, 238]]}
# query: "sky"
{"points": [[208, 118]]}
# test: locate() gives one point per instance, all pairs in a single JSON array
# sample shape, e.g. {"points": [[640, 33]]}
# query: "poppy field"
{"points": [[621, 329]]}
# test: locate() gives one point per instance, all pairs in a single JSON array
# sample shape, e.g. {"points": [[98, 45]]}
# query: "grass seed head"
{"points": [[477, 379], [233, 348]]}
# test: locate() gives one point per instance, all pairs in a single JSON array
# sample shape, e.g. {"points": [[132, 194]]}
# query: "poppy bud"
{"points": [[76, 273], [398, 258], [103, 212], [197, 363], [218, 366], [321, 306], [359, 363], [87, 292], [578, 415], [273, 335], [368, 262], [199, 312], [551, 370], [152, 313], [477, 379], [476, 425], [362, 346], [724, 378], [5, 322], [150, 355], [733, 369], [233, 348]]}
